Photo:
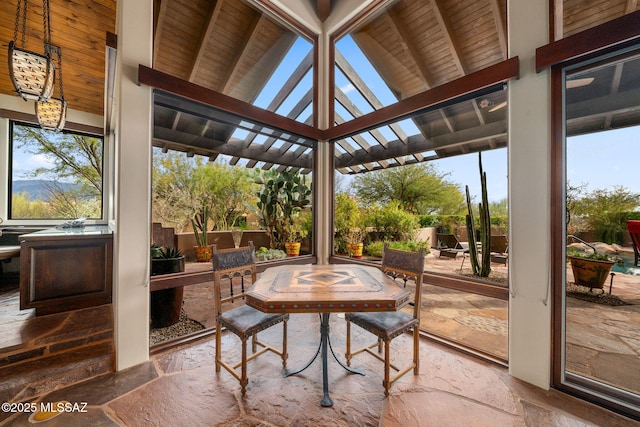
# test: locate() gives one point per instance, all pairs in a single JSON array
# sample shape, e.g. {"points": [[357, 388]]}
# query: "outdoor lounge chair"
{"points": [[449, 246], [634, 231], [499, 248]]}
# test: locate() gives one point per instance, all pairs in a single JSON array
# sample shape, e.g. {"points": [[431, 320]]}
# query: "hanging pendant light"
{"points": [[52, 113], [31, 73]]}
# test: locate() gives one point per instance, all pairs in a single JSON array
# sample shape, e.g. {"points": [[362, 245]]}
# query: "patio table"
{"points": [[325, 289]]}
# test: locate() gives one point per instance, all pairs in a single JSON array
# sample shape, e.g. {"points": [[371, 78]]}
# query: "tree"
{"points": [[77, 159], [418, 188], [184, 186], [605, 211]]}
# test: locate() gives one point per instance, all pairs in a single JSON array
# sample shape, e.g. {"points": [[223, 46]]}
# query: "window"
{"points": [[54, 175]]}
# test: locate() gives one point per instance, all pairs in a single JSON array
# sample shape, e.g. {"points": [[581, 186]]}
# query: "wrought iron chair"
{"points": [[236, 266], [389, 325]]}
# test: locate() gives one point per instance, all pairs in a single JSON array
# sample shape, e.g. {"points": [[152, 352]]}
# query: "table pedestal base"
{"points": [[324, 343]]}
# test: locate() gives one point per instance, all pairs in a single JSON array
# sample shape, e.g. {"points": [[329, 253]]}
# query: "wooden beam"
{"points": [[323, 9], [162, 13], [250, 36], [449, 37], [420, 144], [500, 27], [615, 86], [214, 11], [408, 45], [623, 30], [469, 84], [632, 5], [558, 20], [220, 101]]}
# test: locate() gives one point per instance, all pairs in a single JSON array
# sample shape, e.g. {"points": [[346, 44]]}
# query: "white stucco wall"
{"points": [[529, 197], [133, 183]]}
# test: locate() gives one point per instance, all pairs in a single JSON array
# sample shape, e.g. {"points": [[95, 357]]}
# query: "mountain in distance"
{"points": [[37, 189]]}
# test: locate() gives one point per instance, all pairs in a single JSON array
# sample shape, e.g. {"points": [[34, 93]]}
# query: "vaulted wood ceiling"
{"points": [[233, 47], [80, 28]]}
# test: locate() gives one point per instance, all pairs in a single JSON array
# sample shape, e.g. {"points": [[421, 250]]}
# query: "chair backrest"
{"points": [[448, 240], [499, 244], [234, 267], [405, 265]]}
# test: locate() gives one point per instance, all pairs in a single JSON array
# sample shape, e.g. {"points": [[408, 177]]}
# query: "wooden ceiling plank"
{"points": [[632, 5], [214, 11], [500, 27], [162, 14], [450, 38], [234, 66], [408, 44]]}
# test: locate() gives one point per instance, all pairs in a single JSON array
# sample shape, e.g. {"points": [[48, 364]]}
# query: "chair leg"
{"points": [[254, 345], [387, 366], [348, 353], [379, 345], [243, 379], [284, 344], [218, 344], [416, 350]]}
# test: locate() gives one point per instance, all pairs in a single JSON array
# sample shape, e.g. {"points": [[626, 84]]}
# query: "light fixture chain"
{"points": [[46, 23], [59, 51], [20, 12]]}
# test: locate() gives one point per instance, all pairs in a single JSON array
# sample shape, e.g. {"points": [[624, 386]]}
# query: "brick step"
{"points": [[34, 377]]}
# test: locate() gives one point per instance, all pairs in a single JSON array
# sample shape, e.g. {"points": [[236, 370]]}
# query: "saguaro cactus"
{"points": [[480, 269]]}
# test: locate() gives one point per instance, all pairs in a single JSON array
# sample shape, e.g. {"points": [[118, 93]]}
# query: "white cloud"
{"points": [[348, 88], [40, 161]]}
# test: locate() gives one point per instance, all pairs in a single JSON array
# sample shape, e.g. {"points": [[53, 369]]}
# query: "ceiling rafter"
{"points": [[632, 5], [160, 26], [419, 144], [449, 36], [500, 27], [408, 45], [615, 86], [364, 90], [250, 35], [214, 11], [301, 70]]}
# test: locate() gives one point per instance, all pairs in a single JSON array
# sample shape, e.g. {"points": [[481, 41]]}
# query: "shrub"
{"points": [[375, 248], [391, 223]]}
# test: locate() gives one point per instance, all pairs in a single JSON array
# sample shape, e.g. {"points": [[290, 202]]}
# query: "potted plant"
{"points": [[199, 222], [355, 237], [591, 269], [166, 304], [294, 233]]}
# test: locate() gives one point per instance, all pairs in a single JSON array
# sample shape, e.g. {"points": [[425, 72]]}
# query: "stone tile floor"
{"points": [[181, 388]]}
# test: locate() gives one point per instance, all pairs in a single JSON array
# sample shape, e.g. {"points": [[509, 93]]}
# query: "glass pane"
{"points": [[55, 175], [602, 303], [405, 183]]}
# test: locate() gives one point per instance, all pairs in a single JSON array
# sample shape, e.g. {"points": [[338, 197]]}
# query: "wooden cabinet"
{"points": [[66, 269]]}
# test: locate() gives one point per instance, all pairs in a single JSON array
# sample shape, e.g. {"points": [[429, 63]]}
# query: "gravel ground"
{"points": [[183, 327]]}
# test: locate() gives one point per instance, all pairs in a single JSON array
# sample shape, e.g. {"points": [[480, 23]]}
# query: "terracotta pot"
{"points": [[293, 248], [590, 272], [203, 253], [355, 249]]}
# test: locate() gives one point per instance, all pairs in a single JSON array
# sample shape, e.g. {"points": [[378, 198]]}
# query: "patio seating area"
{"points": [[181, 387]]}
